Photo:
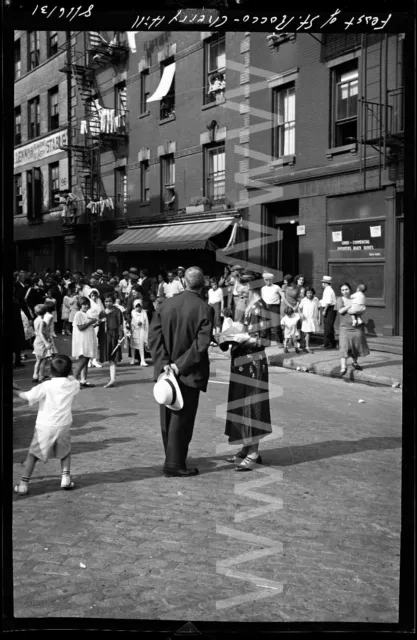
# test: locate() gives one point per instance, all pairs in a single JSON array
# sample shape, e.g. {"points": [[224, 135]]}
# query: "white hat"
{"points": [[267, 275], [167, 391], [327, 279]]}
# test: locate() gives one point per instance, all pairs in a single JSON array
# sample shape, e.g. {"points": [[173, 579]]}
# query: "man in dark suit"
{"points": [[179, 336]]}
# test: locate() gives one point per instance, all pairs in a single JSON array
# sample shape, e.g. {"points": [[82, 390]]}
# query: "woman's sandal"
{"points": [[234, 458], [21, 491], [249, 464]]}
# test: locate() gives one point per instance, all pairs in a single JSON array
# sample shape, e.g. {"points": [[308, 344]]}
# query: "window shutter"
{"points": [[63, 174], [37, 192]]}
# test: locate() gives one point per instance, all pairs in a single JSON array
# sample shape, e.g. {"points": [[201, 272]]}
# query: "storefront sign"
{"points": [[356, 241], [301, 230], [36, 151]]}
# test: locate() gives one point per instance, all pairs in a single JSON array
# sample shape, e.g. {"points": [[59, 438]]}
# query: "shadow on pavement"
{"points": [[281, 457]]}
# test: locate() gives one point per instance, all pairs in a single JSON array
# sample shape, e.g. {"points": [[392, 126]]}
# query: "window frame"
{"points": [[209, 181], [53, 191], [219, 71], [50, 47], [17, 197], [338, 124], [17, 135], [279, 136], [169, 98], [53, 92], [34, 102], [17, 61], [120, 188], [144, 95], [144, 179], [35, 53], [118, 103], [167, 177]]}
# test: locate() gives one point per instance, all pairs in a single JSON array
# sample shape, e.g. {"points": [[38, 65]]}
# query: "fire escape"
{"points": [[92, 130], [381, 119]]}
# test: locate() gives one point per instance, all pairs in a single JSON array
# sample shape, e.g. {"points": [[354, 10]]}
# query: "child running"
{"points": [[358, 305], [52, 430], [109, 335], [289, 324], [42, 346]]}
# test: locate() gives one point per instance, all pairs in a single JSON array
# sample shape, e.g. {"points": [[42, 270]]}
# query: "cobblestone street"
{"points": [[314, 535]]}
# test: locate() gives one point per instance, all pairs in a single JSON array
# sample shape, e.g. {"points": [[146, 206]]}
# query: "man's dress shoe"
{"points": [[181, 473]]}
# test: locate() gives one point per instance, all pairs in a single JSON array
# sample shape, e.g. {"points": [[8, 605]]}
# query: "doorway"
{"points": [[399, 302], [287, 248]]}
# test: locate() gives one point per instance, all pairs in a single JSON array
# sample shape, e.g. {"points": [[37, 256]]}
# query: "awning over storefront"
{"points": [[194, 235]]}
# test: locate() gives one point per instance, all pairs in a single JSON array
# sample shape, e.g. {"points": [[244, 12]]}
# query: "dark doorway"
{"points": [[287, 258]]}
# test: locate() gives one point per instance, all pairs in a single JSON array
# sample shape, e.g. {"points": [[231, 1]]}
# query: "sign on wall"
{"points": [[357, 240], [44, 148]]}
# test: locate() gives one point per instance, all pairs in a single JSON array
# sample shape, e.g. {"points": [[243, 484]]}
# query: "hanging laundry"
{"points": [[131, 40], [84, 127]]}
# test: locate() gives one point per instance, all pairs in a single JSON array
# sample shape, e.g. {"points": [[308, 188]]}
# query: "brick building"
{"points": [[40, 165], [178, 141], [326, 165]]}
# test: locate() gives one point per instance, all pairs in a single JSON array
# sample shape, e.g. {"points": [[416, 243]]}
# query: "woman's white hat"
{"points": [[93, 291], [137, 303], [167, 391]]}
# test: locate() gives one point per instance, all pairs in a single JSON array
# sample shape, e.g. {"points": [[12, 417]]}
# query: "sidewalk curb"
{"points": [[352, 375]]}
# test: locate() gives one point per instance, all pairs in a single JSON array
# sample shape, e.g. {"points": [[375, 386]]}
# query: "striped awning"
{"points": [[195, 235]]}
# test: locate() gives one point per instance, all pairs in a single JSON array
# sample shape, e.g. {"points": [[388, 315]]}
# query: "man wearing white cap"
{"points": [[271, 295], [179, 337], [327, 306]]}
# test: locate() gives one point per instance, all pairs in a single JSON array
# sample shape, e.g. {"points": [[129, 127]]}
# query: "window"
{"points": [[53, 184], [34, 193], [144, 93], [284, 122], [345, 107], [53, 109], [121, 192], [17, 60], [17, 126], [17, 201], [120, 96], [167, 107], [215, 68], [52, 43], [168, 179], [34, 122], [33, 49], [216, 174], [144, 181]]}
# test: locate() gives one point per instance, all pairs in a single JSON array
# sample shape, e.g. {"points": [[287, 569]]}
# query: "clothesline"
{"points": [[97, 207], [105, 121]]}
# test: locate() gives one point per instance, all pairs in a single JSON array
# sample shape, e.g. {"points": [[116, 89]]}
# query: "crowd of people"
{"points": [[174, 320]]}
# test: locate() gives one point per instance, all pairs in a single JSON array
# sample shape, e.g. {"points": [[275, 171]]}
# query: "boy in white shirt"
{"points": [[53, 423], [358, 306]]}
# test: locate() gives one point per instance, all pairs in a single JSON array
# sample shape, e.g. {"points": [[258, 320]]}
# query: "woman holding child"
{"points": [[352, 341]]}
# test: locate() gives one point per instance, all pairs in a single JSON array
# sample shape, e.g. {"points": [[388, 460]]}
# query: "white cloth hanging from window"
{"points": [[84, 127], [165, 83], [131, 40]]}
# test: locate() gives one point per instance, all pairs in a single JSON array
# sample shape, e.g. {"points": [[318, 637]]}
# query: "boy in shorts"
{"points": [[53, 423]]}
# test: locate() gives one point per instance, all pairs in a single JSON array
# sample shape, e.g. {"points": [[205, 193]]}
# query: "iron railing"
{"points": [[395, 100]]}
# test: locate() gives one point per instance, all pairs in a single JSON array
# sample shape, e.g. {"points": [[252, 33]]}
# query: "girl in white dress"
{"points": [[309, 311], [84, 341], [139, 327], [96, 307], [42, 346], [289, 325], [69, 309]]}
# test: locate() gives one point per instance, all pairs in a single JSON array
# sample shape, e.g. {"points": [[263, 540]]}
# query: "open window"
{"points": [[53, 109], [168, 181], [215, 174], [33, 50], [34, 118], [284, 121], [345, 103], [215, 73]]}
